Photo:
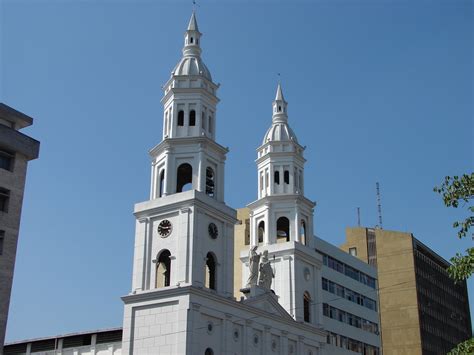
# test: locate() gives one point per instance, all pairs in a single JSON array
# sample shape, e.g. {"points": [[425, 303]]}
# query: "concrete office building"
{"points": [[16, 150], [422, 310]]}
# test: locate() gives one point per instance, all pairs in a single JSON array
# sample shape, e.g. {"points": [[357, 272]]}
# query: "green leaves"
{"points": [[464, 348], [462, 266]]}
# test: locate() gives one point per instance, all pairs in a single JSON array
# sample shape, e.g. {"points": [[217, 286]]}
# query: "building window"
{"points": [[162, 182], [163, 269], [4, 199], [192, 118], [353, 251], [192, 40], [181, 118], [210, 281], [2, 238], [283, 228], [261, 231], [210, 182], [6, 159], [276, 177], [303, 233], [209, 351], [203, 120], [286, 176], [185, 178], [307, 307], [211, 125]]}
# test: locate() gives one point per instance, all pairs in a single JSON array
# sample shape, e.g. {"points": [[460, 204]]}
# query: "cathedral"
{"points": [[182, 289]]}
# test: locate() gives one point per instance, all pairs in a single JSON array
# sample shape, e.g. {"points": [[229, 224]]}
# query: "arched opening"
{"points": [[192, 118], [210, 281], [209, 351], [261, 231], [283, 229], [210, 124], [180, 118], [162, 182], [286, 177], [185, 178], [276, 177], [203, 120], [307, 307], [192, 40], [210, 182], [163, 269], [279, 108], [303, 232]]}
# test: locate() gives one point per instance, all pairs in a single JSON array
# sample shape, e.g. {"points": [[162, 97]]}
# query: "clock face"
{"points": [[164, 228], [213, 232]]}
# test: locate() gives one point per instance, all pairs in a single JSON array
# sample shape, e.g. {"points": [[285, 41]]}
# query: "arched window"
{"points": [[303, 232], [163, 269], [180, 118], [192, 118], [211, 126], [283, 229], [210, 281], [286, 177], [300, 177], [209, 351], [307, 307], [191, 40], [162, 182], [276, 177], [279, 108], [185, 178], [210, 183], [261, 231], [203, 120]]}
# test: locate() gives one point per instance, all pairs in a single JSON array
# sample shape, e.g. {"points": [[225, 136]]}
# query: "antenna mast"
{"points": [[358, 216], [379, 205]]}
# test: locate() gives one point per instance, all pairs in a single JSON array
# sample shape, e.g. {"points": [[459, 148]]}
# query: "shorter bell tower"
{"points": [[281, 219]]}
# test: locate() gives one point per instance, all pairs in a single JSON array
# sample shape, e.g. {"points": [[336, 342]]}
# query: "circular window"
{"points": [[212, 230], [236, 334], [307, 274], [274, 345], [210, 327]]}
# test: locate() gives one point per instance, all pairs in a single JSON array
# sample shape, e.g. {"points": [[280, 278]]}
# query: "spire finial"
{"points": [[279, 93], [193, 26]]}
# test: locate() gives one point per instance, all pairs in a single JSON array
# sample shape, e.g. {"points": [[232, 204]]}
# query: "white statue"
{"points": [[254, 259], [266, 272]]}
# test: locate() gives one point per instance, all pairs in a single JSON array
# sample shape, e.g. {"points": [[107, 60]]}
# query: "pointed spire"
{"points": [[193, 26], [279, 94]]}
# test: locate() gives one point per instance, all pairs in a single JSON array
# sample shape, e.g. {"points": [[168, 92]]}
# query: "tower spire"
{"points": [[279, 106], [192, 37]]}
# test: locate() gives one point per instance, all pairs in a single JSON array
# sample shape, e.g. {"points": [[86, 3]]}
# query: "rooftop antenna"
{"points": [[358, 216], [379, 205]]}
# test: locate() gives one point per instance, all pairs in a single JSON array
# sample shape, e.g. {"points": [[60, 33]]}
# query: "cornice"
{"points": [[204, 141]]}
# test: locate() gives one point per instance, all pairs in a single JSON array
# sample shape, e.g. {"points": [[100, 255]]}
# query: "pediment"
{"points": [[268, 302]]}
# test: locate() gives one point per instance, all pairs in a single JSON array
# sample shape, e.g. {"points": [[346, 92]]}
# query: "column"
{"points": [[297, 225], [201, 175], [225, 343], [284, 342], [266, 235], [183, 269], [267, 347], [169, 173], [300, 345]]}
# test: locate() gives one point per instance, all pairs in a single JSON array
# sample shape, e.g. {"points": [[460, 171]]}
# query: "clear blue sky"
{"points": [[377, 91]]}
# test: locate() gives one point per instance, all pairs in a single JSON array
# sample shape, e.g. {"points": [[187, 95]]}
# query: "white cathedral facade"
{"points": [[182, 289]]}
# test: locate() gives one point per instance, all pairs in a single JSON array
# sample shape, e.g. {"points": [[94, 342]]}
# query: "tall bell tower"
{"points": [[184, 232], [281, 219]]}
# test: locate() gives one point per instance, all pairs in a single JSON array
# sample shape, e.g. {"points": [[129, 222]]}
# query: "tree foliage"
{"points": [[459, 192], [464, 348]]}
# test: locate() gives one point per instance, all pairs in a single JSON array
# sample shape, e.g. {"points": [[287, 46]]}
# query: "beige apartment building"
{"points": [[422, 310], [16, 150]]}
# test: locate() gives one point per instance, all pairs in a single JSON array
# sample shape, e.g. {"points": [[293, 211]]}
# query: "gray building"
{"points": [[16, 150]]}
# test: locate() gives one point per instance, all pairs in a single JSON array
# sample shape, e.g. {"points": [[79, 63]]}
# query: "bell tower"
{"points": [[281, 219], [184, 232]]}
